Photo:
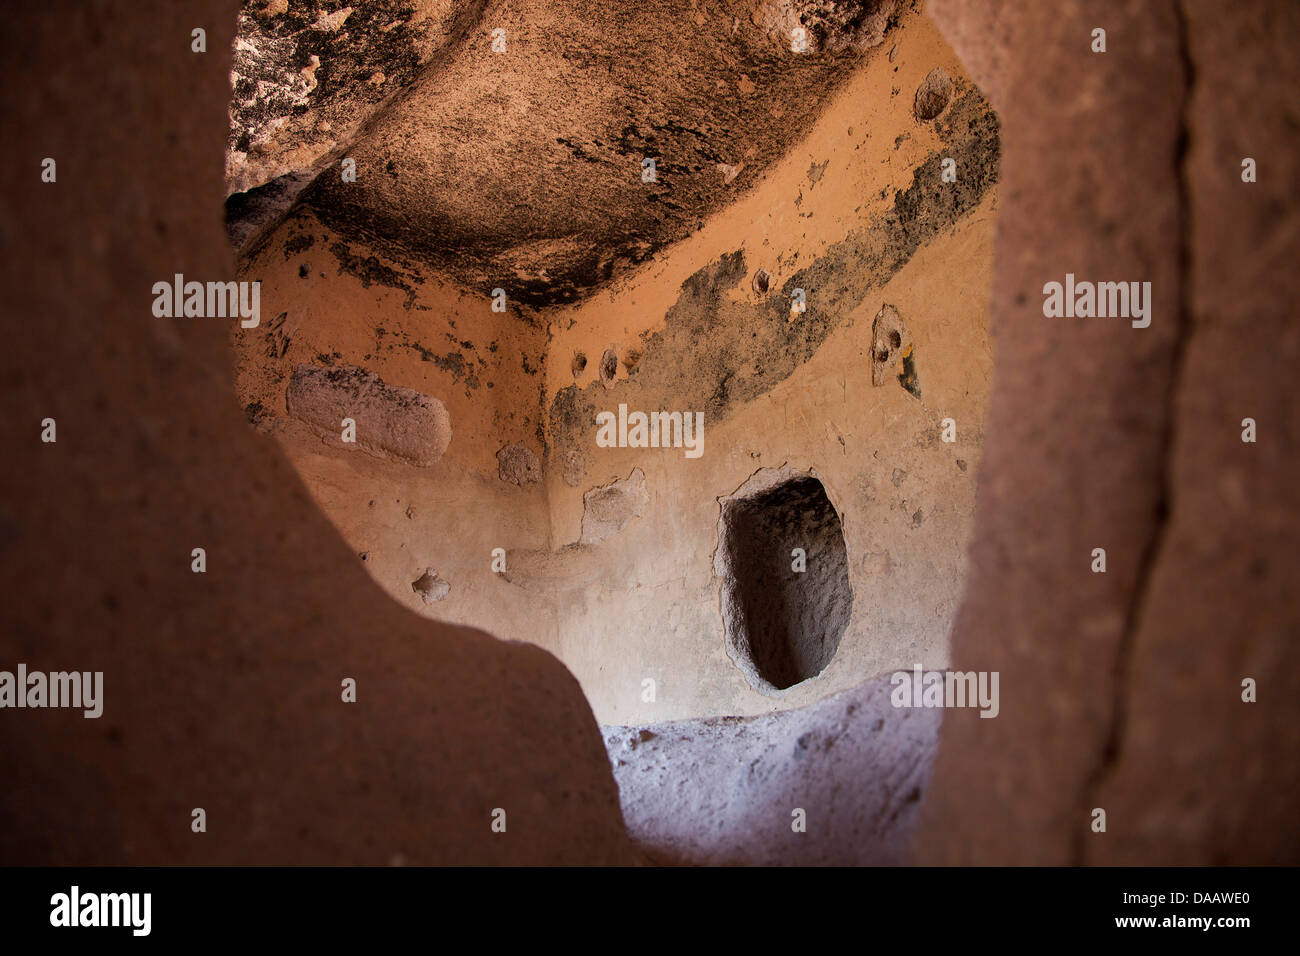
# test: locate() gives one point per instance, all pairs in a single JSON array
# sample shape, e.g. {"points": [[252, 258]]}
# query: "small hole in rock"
{"points": [[579, 363], [761, 281], [933, 94], [608, 366]]}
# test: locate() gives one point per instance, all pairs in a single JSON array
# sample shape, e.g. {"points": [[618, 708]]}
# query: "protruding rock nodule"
{"points": [[608, 508], [394, 423], [933, 94], [518, 464]]}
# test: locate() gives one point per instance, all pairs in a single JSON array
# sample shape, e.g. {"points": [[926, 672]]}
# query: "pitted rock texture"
{"points": [[933, 95], [830, 26], [890, 341], [608, 368], [238, 668], [431, 587], [607, 509], [307, 74], [394, 423], [694, 360], [783, 625], [1129, 682], [723, 790], [518, 465], [522, 168]]}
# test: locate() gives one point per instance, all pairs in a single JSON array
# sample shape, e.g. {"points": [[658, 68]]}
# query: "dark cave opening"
{"points": [[786, 573]]}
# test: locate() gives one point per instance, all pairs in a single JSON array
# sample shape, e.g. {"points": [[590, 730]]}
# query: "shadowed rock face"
{"points": [[221, 690], [524, 168], [1130, 682]]}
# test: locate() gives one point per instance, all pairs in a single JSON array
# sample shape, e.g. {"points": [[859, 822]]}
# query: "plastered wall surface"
{"points": [[855, 216]]}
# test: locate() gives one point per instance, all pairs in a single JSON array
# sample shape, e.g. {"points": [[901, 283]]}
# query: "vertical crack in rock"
{"points": [[1113, 744]]}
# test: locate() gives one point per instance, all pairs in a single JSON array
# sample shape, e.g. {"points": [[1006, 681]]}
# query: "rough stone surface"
{"points": [[305, 80], [830, 26], [523, 169], [306, 75], [607, 509], [723, 790], [431, 587], [394, 423], [608, 368], [1098, 441], [221, 689], [1120, 690], [694, 361], [1123, 690], [575, 468], [933, 95], [568, 569], [1197, 776], [518, 465], [857, 216]]}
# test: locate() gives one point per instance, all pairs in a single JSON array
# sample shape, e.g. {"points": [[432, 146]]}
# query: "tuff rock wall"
{"points": [[1123, 691], [221, 689], [1120, 690], [842, 203]]}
